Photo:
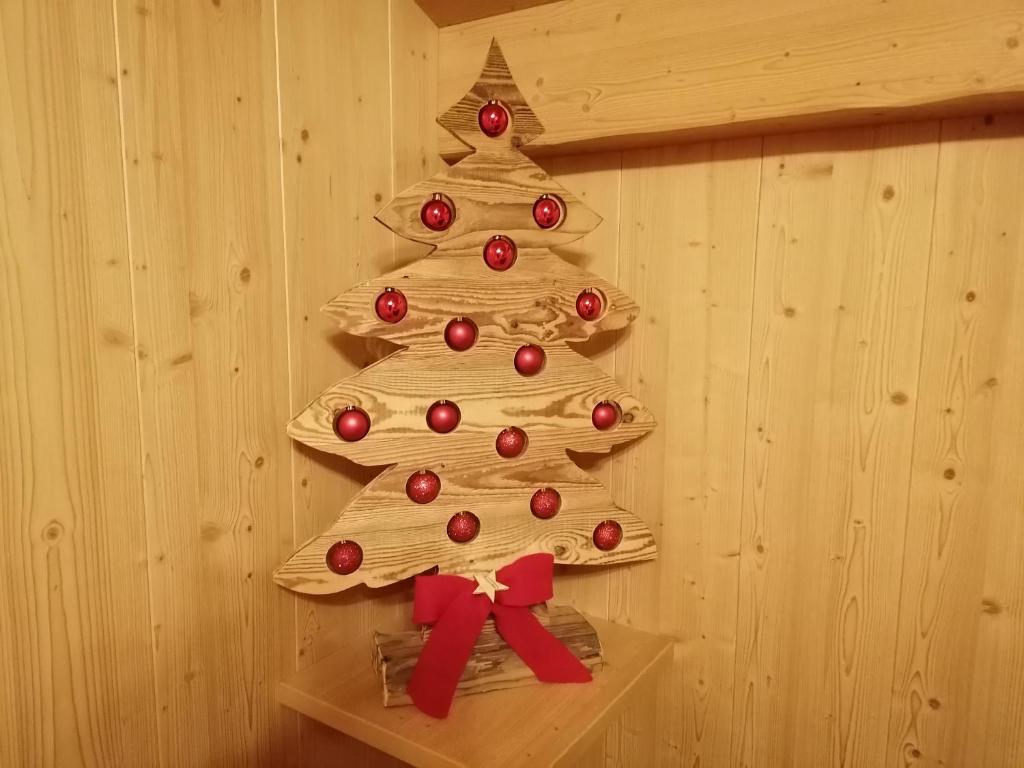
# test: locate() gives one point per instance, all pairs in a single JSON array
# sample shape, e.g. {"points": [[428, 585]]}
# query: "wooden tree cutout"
{"points": [[534, 302]]}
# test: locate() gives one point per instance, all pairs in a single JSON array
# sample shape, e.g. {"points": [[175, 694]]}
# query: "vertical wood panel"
{"points": [[358, 87], [687, 234], [76, 677], [843, 245], [959, 681], [199, 123], [336, 146]]}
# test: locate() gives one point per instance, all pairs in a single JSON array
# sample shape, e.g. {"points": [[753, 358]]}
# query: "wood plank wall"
{"points": [[830, 339]]}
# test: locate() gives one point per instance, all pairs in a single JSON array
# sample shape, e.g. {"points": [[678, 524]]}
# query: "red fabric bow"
{"points": [[458, 616]]}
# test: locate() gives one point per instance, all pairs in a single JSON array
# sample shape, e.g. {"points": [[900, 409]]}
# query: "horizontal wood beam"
{"points": [[607, 74], [446, 12]]}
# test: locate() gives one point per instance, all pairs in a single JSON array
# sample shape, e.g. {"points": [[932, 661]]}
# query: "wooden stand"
{"points": [[493, 665], [536, 725]]}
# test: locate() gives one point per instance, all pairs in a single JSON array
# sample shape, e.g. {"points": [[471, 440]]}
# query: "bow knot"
{"points": [[457, 609]]}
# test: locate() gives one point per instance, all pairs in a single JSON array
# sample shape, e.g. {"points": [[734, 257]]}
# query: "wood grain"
{"points": [[534, 301], [342, 156], [199, 132], [610, 74], [76, 661], [843, 240], [493, 665], [688, 224], [444, 13], [493, 193], [493, 190], [958, 667]]}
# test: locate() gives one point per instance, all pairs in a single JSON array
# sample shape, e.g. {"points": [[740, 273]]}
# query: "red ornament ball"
{"points": [[391, 305], [437, 213], [606, 414], [443, 416], [351, 424], [460, 334], [545, 503], [607, 535], [493, 119], [529, 359], [423, 486], [463, 527], [344, 557], [500, 253], [588, 304], [510, 443], [547, 211]]}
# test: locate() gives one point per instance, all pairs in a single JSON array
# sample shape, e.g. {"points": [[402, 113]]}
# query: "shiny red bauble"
{"points": [[529, 359], [423, 486], [547, 211], [344, 557], [351, 424], [606, 414], [463, 527], [500, 253], [493, 119], [391, 305], [437, 213], [460, 334], [545, 503], [607, 535], [588, 305], [510, 443], [443, 416]]}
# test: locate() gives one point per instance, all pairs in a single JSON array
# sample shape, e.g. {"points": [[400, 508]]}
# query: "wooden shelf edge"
{"points": [[534, 725], [452, 150], [445, 13]]}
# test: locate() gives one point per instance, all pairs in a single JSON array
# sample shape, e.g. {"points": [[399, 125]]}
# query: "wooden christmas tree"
{"points": [[476, 411]]}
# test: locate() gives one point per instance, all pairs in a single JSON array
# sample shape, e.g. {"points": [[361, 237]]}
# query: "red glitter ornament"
{"points": [[547, 211], [391, 305], [500, 253], [606, 414], [423, 486], [460, 334], [443, 416], [510, 443], [493, 119], [588, 304], [607, 535], [545, 503], [437, 213], [529, 359], [344, 557], [351, 424], [463, 527]]}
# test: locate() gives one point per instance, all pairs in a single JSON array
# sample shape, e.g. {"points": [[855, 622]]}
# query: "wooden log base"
{"points": [[493, 665]]}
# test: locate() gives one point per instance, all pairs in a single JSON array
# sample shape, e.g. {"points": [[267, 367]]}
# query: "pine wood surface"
{"points": [[76, 654], [443, 13], [958, 667], [380, 58], [553, 407], [843, 240], [614, 74], [493, 665], [205, 236], [533, 725], [533, 302], [76, 659]]}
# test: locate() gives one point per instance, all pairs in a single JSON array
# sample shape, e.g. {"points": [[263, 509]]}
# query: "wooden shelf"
{"points": [[536, 725]]}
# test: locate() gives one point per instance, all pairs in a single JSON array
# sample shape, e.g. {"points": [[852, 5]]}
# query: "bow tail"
{"points": [[446, 653], [544, 653]]}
